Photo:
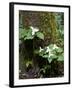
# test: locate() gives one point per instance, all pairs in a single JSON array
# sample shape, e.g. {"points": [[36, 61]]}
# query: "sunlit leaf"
{"points": [[40, 35]]}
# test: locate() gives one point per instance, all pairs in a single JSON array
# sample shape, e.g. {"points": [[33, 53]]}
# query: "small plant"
{"points": [[51, 52], [30, 33]]}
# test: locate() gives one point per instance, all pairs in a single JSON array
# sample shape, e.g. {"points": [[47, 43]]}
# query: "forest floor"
{"points": [[56, 70]]}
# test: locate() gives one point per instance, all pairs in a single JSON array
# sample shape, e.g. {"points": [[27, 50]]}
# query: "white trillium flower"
{"points": [[50, 54], [31, 27], [55, 46], [33, 33], [48, 50], [40, 49], [34, 30]]}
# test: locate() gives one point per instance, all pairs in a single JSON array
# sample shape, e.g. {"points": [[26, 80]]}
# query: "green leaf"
{"points": [[25, 34], [51, 46], [59, 50], [29, 36], [53, 57], [22, 33], [54, 53], [45, 56], [60, 58], [40, 35]]}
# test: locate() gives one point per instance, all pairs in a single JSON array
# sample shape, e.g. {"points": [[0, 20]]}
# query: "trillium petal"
{"points": [[55, 46], [34, 30], [40, 49]]}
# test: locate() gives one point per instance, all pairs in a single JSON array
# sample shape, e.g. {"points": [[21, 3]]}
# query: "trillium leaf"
{"points": [[28, 36], [51, 46], [40, 35], [54, 57], [22, 33], [45, 56], [60, 58], [59, 50]]}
